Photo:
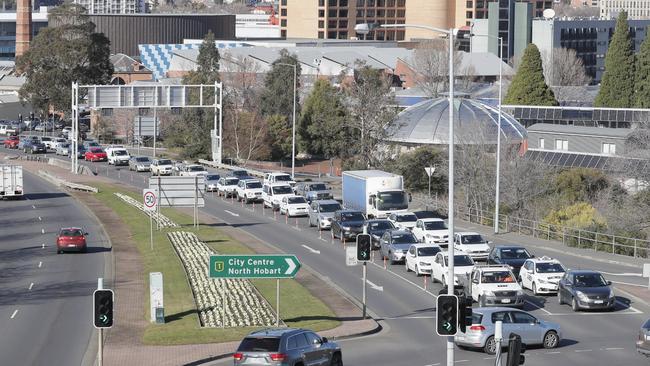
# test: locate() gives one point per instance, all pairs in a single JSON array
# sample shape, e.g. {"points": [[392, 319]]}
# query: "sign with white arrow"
{"points": [[254, 266]]}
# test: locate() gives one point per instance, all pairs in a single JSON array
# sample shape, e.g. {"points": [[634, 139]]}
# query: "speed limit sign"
{"points": [[150, 198]]}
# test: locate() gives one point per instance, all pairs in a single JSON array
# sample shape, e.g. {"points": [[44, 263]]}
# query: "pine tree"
{"points": [[528, 87], [642, 79], [617, 85]]}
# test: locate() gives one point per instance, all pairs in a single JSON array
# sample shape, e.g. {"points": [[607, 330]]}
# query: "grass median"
{"points": [[298, 307]]}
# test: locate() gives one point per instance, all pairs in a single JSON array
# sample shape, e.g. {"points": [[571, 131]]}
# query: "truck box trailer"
{"points": [[374, 192], [12, 181]]}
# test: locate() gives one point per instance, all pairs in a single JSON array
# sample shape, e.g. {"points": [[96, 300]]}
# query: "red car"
{"points": [[11, 142], [71, 238], [95, 154]]}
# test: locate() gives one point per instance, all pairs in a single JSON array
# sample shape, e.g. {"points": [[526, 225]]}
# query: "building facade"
{"points": [[9, 31], [113, 6], [577, 139], [636, 9]]}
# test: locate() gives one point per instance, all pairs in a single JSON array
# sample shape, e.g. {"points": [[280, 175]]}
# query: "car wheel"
{"points": [[490, 346], [59, 251], [417, 271], [559, 298], [336, 360], [551, 339], [534, 289], [574, 305]]}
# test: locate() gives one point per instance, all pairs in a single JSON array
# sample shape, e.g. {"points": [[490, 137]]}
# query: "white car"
{"points": [[473, 244], [294, 206], [49, 142], [226, 186], [62, 148], [403, 220], [431, 231], [541, 275], [161, 167], [419, 258], [117, 156], [249, 190], [192, 170], [272, 194], [463, 265], [279, 177], [496, 286]]}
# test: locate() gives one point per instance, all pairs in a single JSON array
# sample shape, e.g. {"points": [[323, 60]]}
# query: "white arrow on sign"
{"points": [[375, 287], [292, 266], [232, 213], [311, 250]]}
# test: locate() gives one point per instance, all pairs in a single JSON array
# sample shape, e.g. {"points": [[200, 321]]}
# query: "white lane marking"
{"points": [[614, 348], [13, 315], [410, 317], [624, 274], [375, 287], [583, 350], [538, 307], [311, 249], [630, 284], [631, 308], [40, 218], [296, 228], [31, 285], [231, 213], [327, 241], [553, 353], [40, 264], [43, 246], [42, 231], [433, 364], [34, 207], [403, 278], [460, 361]]}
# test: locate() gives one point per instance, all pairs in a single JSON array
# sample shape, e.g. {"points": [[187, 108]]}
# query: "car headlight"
{"points": [[346, 228], [520, 293], [611, 294], [582, 296], [488, 293], [424, 264], [541, 280]]}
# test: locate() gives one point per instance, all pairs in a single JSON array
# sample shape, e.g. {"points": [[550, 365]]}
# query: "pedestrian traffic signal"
{"points": [[464, 313], [363, 247], [103, 308], [447, 315], [515, 349]]}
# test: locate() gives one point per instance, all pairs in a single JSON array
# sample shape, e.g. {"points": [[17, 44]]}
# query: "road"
{"points": [[45, 298], [397, 299]]}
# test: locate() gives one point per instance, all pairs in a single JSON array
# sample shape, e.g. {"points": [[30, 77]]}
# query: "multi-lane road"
{"points": [[406, 310], [45, 298]]}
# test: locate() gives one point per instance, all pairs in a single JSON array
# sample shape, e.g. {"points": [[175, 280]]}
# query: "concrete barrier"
{"points": [[63, 183]]}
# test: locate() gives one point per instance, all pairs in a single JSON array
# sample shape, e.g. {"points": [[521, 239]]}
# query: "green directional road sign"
{"points": [[254, 266]]}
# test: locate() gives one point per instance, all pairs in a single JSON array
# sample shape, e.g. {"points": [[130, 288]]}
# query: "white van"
{"points": [[117, 156], [279, 177]]}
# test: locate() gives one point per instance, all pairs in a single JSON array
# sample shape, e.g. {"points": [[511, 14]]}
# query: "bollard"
{"points": [[425, 282], [385, 263], [286, 219], [275, 215], [320, 232], [296, 222], [254, 206], [263, 209], [242, 203]]}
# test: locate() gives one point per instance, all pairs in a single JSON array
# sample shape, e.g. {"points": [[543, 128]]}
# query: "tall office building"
{"points": [[335, 19], [636, 9], [511, 21], [112, 6]]}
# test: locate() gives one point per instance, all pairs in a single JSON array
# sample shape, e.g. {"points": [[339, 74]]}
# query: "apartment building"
{"points": [[112, 6], [636, 9]]}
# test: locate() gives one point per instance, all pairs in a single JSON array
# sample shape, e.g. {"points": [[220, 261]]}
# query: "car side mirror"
{"points": [[609, 283], [324, 340], [86, 234], [532, 255], [475, 281]]}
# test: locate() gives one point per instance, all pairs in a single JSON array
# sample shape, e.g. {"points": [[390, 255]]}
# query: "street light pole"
{"points": [[496, 199], [293, 129]]}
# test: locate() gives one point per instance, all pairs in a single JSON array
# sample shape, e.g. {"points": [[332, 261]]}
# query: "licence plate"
{"points": [[598, 302], [71, 245], [505, 301]]}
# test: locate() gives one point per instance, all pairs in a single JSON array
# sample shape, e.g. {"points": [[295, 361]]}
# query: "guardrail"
{"points": [[63, 183], [254, 173]]}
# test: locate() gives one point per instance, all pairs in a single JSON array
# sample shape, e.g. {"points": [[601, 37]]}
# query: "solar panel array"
{"points": [[575, 160]]}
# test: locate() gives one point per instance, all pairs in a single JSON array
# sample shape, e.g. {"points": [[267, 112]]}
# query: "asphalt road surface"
{"points": [[45, 298]]}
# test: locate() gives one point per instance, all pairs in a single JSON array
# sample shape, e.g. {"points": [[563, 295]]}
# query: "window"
{"points": [[541, 143], [283, 23], [522, 318], [321, 24], [469, 15], [501, 315], [469, 4], [283, 12], [321, 13], [562, 145], [321, 2], [609, 148]]}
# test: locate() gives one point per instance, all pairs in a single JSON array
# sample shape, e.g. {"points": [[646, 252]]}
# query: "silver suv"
{"points": [[287, 346], [321, 213]]}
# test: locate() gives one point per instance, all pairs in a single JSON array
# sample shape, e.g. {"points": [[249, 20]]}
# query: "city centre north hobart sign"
{"points": [[254, 266]]}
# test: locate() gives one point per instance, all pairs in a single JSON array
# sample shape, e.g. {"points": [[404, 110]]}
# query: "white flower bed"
{"points": [[162, 219], [244, 305]]}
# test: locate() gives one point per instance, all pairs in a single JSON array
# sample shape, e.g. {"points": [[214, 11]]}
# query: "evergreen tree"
{"points": [[277, 97], [528, 87], [617, 85], [642, 79]]}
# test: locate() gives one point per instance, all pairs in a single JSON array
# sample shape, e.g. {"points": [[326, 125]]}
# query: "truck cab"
{"points": [[495, 286]]}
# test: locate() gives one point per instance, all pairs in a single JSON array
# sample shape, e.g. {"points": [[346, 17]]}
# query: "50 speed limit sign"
{"points": [[150, 199]]}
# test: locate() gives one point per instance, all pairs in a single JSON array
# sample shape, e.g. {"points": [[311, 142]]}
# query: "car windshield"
{"points": [[240, 173], [461, 260], [428, 251], [590, 280], [514, 253], [283, 178], [92, 143], [259, 345], [317, 187], [232, 181], [142, 159], [405, 238], [406, 218], [435, 225], [65, 145], [254, 185], [212, 177], [381, 225], [351, 216], [282, 190], [46, 138], [120, 153], [164, 162], [549, 268], [195, 168], [296, 200], [472, 239], [392, 201], [497, 277], [330, 207], [96, 150], [71, 232]]}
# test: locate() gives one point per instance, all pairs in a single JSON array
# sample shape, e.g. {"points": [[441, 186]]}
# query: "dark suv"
{"points": [[287, 346], [514, 256], [347, 224]]}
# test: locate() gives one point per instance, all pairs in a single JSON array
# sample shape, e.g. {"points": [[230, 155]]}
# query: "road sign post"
{"points": [[430, 170], [150, 201]]}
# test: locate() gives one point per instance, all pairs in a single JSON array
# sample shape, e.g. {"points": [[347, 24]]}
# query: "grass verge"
{"points": [[298, 307]]}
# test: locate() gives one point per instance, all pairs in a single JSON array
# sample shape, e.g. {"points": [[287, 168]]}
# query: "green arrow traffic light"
{"points": [[447, 315], [103, 308], [363, 247]]}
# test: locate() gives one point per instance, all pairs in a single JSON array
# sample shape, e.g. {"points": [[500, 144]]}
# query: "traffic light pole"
{"points": [[365, 272], [100, 348]]}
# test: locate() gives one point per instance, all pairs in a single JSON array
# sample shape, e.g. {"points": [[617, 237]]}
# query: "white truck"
{"points": [[494, 285], [374, 192], [11, 177]]}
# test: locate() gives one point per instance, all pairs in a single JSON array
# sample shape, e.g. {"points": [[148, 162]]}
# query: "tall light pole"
{"points": [[293, 130], [367, 28], [498, 158]]}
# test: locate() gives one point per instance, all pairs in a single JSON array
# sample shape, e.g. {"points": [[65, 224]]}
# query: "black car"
{"points": [[347, 224], [584, 289], [376, 228], [512, 255], [35, 147], [241, 174], [429, 215]]}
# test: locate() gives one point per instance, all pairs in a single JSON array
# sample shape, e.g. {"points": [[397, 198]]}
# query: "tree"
{"points": [[581, 215], [280, 135], [617, 85], [322, 126], [580, 185], [411, 166], [563, 67], [642, 79], [431, 64], [70, 52], [528, 86]]}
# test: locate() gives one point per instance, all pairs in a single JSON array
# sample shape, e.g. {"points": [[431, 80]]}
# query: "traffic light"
{"points": [[447, 317], [363, 247], [103, 308], [515, 349], [464, 313]]}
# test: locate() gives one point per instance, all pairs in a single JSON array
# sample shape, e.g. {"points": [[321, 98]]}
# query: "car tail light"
{"points": [[278, 357], [238, 356], [477, 328]]}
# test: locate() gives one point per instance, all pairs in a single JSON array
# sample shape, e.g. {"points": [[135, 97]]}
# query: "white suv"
{"points": [[161, 167], [272, 194], [117, 156], [431, 231], [249, 190], [279, 177], [473, 244], [496, 286], [541, 275]]}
